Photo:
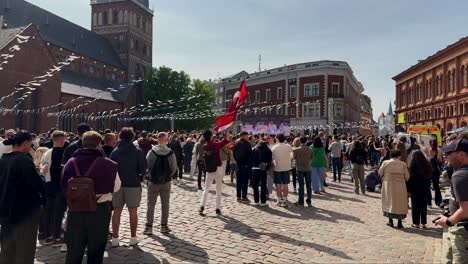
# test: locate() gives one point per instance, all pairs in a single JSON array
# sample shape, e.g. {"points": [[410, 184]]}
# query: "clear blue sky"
{"points": [[378, 38]]}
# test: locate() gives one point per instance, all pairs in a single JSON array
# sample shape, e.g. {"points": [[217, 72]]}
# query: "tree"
{"points": [[206, 97], [164, 84]]}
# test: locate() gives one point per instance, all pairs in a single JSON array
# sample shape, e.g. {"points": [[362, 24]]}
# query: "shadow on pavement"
{"points": [[182, 250], [237, 226], [131, 255], [331, 196], [433, 232]]}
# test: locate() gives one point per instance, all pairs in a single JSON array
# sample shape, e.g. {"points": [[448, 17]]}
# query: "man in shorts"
{"points": [[282, 161], [131, 167]]}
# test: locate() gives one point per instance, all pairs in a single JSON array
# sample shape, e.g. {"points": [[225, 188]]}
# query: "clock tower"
{"points": [[128, 25]]}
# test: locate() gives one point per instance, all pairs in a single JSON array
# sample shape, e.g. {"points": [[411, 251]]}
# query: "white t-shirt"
{"points": [[282, 157], [4, 149]]}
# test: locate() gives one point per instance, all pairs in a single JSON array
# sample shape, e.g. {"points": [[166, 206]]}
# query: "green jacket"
{"points": [[319, 160]]}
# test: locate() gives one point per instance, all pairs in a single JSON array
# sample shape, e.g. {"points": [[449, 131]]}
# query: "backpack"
{"points": [[209, 158], [360, 158], [81, 196], [161, 170]]}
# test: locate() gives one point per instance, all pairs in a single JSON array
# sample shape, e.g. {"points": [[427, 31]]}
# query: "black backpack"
{"points": [[360, 159], [161, 170], [209, 158]]}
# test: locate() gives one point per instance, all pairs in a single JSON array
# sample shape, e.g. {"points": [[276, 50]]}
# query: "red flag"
{"points": [[225, 121]]}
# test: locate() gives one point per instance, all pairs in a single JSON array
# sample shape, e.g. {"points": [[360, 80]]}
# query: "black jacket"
{"points": [[68, 153], [22, 190], [242, 152], [188, 148], [262, 153], [358, 152], [177, 148], [131, 163]]}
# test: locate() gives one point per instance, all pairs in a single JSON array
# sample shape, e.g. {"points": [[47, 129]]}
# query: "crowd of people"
{"points": [[90, 177]]}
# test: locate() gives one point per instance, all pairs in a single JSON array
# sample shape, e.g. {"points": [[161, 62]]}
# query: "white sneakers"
{"points": [[133, 242], [63, 248], [115, 242]]}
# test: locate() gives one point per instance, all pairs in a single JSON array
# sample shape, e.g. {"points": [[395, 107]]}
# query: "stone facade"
{"points": [[435, 91]]}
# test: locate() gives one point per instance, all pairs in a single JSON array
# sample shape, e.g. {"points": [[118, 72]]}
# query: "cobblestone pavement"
{"points": [[340, 227]]}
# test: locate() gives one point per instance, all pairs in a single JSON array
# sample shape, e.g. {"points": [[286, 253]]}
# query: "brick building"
{"points": [[435, 91], [112, 56], [310, 94]]}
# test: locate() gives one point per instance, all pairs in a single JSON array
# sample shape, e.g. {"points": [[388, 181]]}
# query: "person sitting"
{"points": [[373, 180]]}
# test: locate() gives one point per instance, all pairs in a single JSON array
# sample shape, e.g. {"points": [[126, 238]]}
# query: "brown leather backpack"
{"points": [[81, 196]]}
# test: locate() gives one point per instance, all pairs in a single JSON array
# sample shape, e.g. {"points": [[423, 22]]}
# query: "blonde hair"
{"points": [[91, 139], [39, 154], [58, 134], [296, 142]]}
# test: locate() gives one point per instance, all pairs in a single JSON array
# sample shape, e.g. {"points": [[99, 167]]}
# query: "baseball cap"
{"points": [[456, 145], [244, 133]]}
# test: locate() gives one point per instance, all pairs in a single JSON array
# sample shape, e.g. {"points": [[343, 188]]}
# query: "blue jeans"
{"points": [[243, 175], [337, 165], [317, 179], [374, 158], [301, 176]]}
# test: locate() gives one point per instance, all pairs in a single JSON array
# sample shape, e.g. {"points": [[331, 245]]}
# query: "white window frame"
{"points": [[337, 90], [314, 89], [278, 110], [292, 91], [279, 93], [257, 96], [311, 110], [268, 95]]}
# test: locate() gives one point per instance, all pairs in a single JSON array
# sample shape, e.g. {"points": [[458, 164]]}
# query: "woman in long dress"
{"points": [[394, 173]]}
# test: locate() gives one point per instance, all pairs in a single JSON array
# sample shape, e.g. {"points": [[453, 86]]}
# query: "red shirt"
{"points": [[217, 146]]}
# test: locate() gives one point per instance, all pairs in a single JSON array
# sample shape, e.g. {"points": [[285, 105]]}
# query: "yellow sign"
{"points": [[401, 118]]}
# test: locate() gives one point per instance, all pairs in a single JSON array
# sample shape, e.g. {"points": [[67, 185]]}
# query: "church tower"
{"points": [[128, 24]]}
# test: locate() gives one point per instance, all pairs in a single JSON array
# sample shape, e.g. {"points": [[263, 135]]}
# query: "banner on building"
{"points": [[401, 118]]}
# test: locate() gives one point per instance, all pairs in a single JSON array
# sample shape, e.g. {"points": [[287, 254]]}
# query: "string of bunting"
{"points": [[13, 49], [37, 82]]}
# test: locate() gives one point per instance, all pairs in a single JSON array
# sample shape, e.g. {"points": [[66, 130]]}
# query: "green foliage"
{"points": [[163, 84]]}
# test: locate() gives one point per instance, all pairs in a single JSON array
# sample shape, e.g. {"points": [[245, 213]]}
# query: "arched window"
{"points": [[105, 18], [95, 19], [115, 17], [464, 74], [121, 21], [99, 18], [110, 13], [139, 21], [145, 50], [125, 17], [137, 45]]}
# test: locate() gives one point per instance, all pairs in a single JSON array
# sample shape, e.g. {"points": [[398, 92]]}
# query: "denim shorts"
{"points": [[281, 177]]}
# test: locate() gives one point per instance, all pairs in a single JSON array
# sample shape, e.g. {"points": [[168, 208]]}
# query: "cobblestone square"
{"points": [[341, 227]]}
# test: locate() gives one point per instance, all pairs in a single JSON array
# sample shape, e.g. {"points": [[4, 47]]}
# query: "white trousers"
{"points": [[193, 165], [218, 178]]}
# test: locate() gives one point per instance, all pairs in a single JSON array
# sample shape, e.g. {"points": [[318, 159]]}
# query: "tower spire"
{"points": [[390, 109]]}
